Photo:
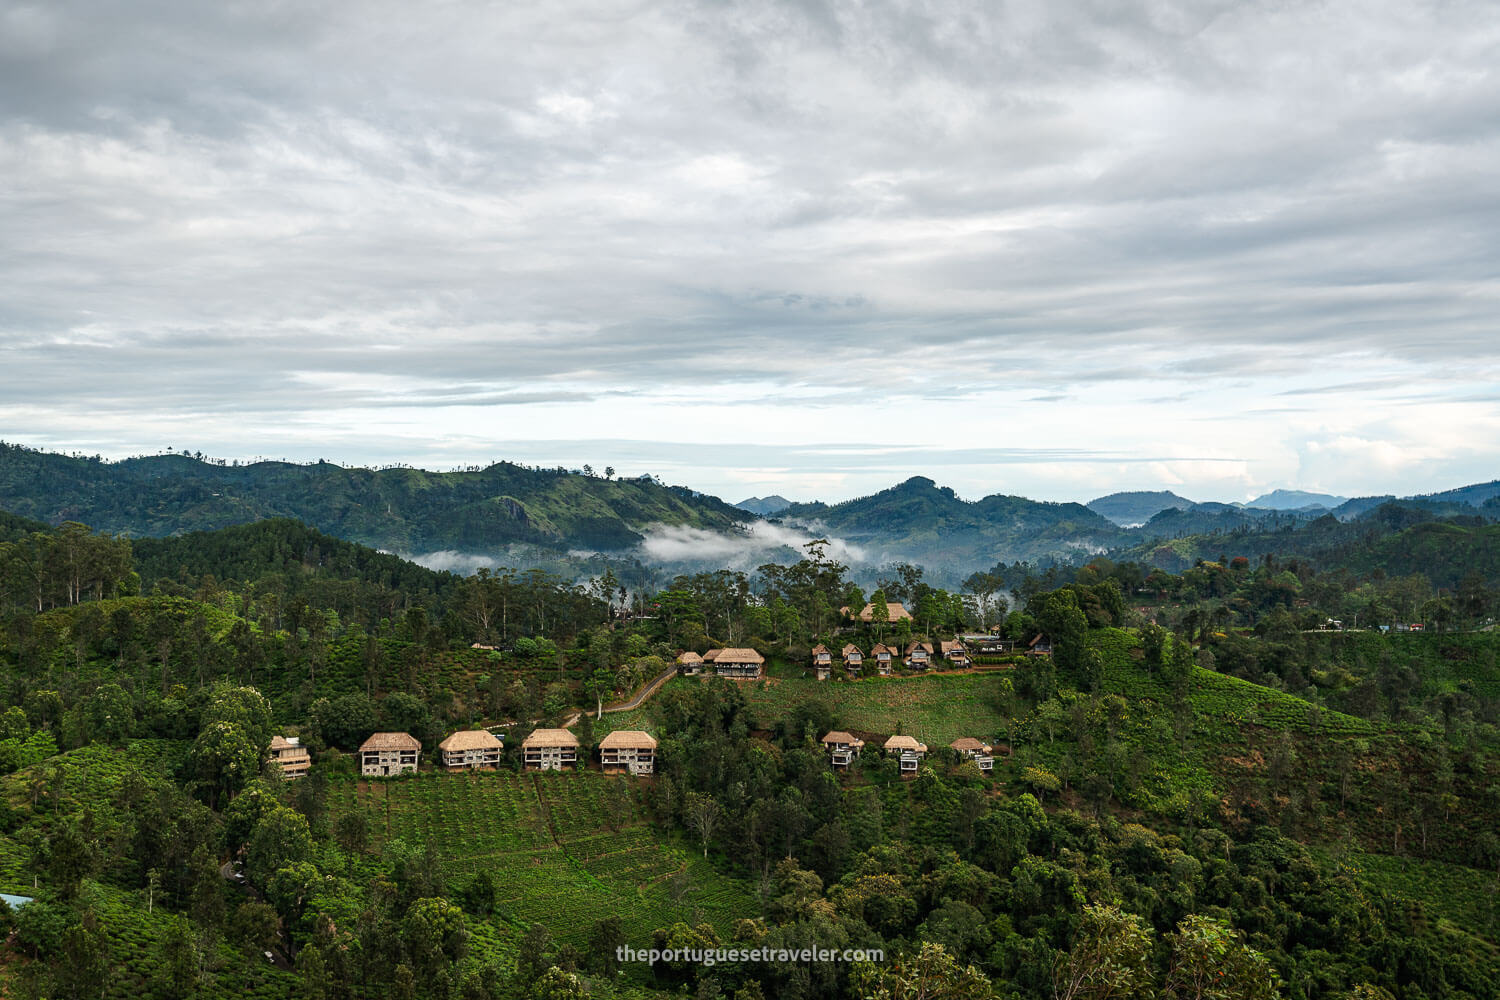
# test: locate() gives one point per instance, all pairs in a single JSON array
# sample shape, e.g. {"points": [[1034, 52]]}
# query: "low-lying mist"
{"points": [[759, 543], [665, 549]]}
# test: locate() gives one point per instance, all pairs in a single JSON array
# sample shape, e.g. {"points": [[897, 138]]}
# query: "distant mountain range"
{"points": [[922, 522], [1137, 508], [503, 509], [765, 506]]}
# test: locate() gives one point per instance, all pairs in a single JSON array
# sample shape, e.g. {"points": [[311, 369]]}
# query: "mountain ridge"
{"points": [[1280, 499], [482, 513], [918, 520], [1136, 507], [764, 506], [398, 508]]}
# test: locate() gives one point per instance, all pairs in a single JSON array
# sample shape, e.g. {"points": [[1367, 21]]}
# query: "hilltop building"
{"points": [[854, 660], [549, 750], [895, 612], [842, 748], [741, 663], [909, 753], [293, 758], [979, 753], [470, 749], [385, 754], [628, 751]]}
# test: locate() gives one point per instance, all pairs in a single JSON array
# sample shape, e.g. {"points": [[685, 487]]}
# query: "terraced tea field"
{"points": [[89, 776], [559, 852]]}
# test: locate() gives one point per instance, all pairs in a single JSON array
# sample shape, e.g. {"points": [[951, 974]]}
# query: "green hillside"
{"points": [[1220, 750], [1308, 810], [922, 522], [1397, 538], [555, 844], [400, 509], [563, 851]]}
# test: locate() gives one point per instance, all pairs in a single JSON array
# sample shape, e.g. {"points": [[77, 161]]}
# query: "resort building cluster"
{"points": [[633, 752]]}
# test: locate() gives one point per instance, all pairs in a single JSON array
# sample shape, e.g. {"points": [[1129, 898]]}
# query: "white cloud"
{"points": [[758, 544], [746, 227], [452, 561]]}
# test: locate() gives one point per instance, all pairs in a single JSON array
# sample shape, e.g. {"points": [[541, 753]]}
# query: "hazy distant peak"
{"points": [[1295, 500], [1136, 507], [765, 506], [1473, 495]]}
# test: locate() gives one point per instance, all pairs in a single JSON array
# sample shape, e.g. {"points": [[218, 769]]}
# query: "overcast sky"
{"points": [[1037, 248]]}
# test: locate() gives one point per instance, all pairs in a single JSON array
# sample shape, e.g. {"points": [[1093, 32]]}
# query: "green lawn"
{"points": [[935, 708]]}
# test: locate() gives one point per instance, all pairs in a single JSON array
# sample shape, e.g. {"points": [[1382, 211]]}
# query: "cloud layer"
{"points": [[1055, 250], [760, 543]]}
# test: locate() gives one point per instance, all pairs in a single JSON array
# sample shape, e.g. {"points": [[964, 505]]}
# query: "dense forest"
{"points": [[401, 509], [1203, 790]]}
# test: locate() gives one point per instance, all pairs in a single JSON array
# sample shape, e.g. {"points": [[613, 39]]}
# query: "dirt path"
{"points": [[635, 702]]}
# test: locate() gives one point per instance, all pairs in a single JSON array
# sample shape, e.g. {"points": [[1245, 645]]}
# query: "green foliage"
{"points": [[224, 757], [279, 839], [398, 509], [1210, 962], [434, 935], [931, 974], [1222, 807], [549, 844], [1110, 958], [931, 524]]}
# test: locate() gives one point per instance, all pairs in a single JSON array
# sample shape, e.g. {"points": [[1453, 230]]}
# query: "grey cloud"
{"points": [[579, 201]]}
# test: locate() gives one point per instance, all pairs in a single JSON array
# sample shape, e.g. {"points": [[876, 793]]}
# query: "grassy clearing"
{"points": [[936, 708]]}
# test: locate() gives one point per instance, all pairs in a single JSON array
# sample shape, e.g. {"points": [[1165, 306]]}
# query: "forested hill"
{"points": [[920, 521], [1397, 538], [301, 557], [401, 509], [13, 528]]}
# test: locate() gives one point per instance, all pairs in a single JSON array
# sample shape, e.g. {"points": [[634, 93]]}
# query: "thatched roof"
{"points": [[850, 649], [689, 658], [738, 655], [839, 736], [895, 611], [390, 741], [471, 739], [628, 739], [968, 744], [905, 743], [549, 738]]}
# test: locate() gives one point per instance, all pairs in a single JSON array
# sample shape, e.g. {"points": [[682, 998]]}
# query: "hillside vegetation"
{"points": [[401, 509], [1396, 538], [1203, 776], [928, 524]]}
